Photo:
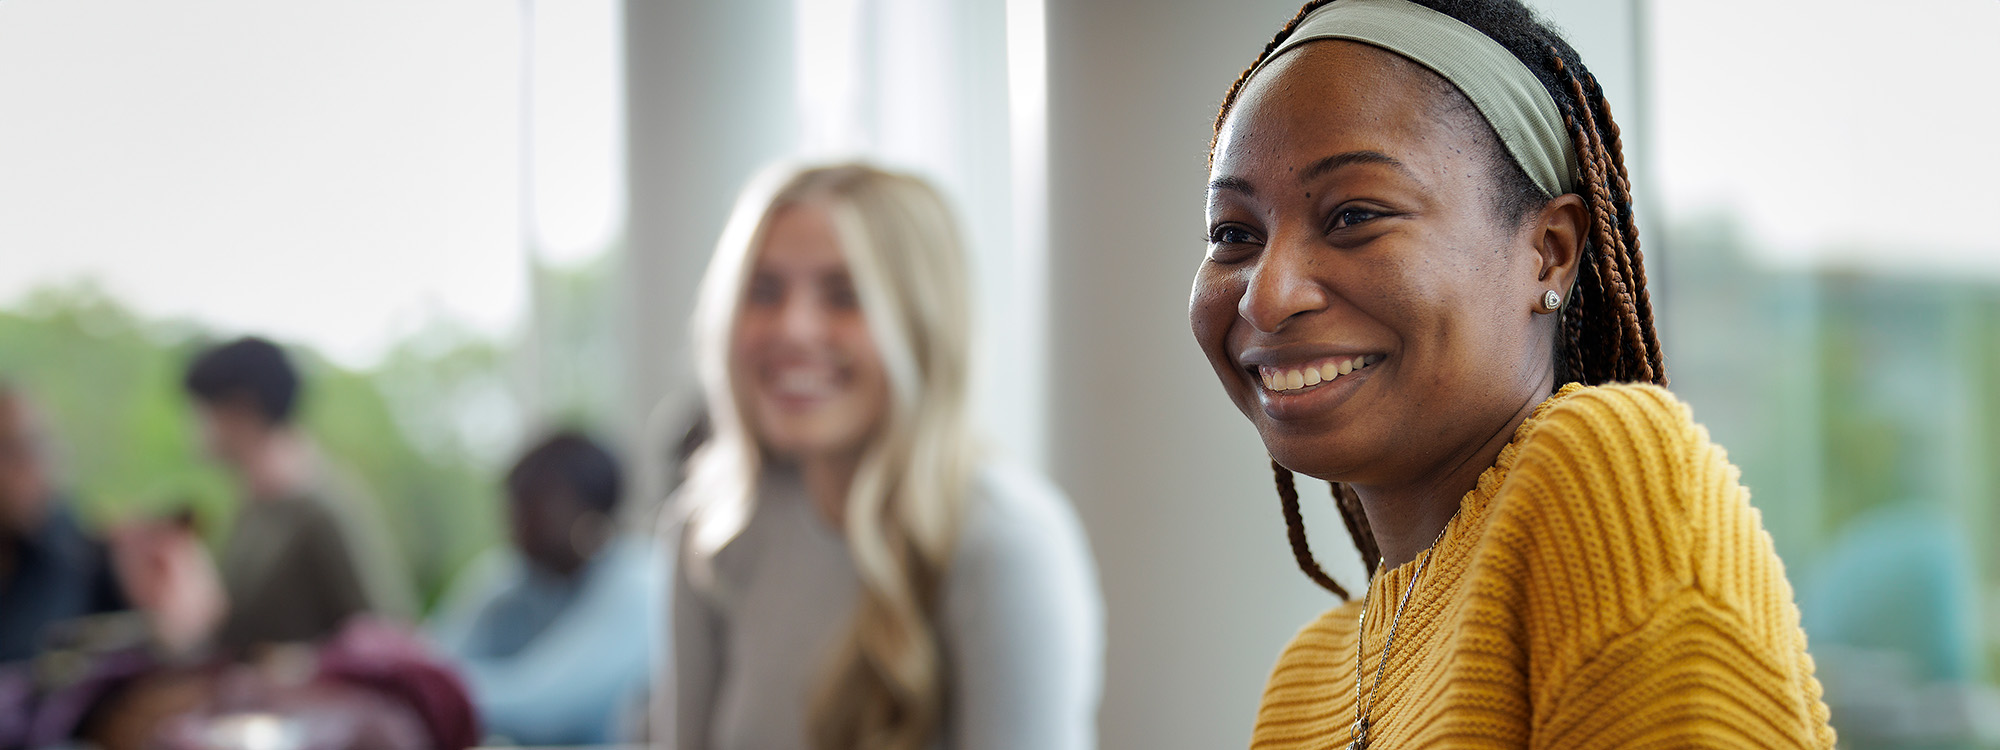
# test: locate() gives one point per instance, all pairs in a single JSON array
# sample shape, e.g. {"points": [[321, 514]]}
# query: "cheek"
{"points": [[1447, 307], [1419, 292], [857, 343], [752, 334], [1212, 308]]}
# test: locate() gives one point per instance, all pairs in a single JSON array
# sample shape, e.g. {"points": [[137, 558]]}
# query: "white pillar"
{"points": [[1171, 482], [711, 99]]}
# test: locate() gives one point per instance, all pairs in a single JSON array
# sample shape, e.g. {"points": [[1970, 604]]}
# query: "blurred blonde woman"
{"points": [[853, 574]]}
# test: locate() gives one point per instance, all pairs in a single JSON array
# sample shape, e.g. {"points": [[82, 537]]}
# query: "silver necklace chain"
{"points": [[1363, 710]]}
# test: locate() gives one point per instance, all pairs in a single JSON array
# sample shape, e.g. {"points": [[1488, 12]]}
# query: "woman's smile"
{"points": [[804, 385], [1299, 387]]}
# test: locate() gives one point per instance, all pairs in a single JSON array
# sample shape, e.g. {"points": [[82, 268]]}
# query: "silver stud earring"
{"points": [[1550, 301]]}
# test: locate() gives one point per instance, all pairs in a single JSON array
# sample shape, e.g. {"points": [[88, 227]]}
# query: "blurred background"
{"points": [[474, 221]]}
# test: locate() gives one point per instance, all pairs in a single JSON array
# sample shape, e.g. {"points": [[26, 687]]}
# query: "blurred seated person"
{"points": [[556, 634], [304, 554], [372, 686], [50, 570]]}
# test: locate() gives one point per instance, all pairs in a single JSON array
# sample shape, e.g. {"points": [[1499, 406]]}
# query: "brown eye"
{"points": [[840, 294], [765, 291], [1230, 234], [1347, 217], [1231, 243]]}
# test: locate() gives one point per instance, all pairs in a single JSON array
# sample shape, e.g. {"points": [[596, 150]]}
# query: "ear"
{"points": [[1558, 233]]}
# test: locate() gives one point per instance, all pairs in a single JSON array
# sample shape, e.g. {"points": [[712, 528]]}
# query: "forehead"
{"points": [[1334, 96], [801, 237]]}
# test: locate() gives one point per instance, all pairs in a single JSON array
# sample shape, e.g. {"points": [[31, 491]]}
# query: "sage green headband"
{"points": [[1506, 93]]}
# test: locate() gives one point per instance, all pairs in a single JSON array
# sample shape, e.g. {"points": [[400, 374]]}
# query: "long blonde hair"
{"points": [[885, 687]]}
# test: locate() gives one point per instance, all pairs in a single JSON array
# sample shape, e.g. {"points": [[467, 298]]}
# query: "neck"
{"points": [[278, 466], [828, 477], [1408, 518]]}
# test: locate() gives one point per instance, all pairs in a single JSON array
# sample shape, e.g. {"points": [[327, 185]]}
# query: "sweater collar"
{"points": [[1454, 549]]}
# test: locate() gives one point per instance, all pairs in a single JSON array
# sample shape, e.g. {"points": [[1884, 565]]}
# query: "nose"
{"points": [[803, 319], [1281, 287]]}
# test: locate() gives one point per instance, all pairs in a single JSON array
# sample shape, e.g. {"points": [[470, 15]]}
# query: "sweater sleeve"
{"points": [[1023, 624], [696, 664], [1655, 611]]}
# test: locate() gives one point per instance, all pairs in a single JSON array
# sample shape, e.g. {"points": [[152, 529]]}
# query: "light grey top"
{"points": [[1022, 625]]}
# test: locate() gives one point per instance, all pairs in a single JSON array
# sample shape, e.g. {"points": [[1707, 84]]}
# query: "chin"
{"points": [[800, 439], [1316, 456]]}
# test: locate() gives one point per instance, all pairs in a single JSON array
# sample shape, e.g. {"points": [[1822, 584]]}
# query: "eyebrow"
{"points": [[1233, 184], [1318, 168], [1337, 161]]}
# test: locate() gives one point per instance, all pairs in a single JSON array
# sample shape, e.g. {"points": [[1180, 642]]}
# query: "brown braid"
{"points": [[1619, 266], [1295, 530], [1606, 327], [1356, 517], [1630, 231], [1611, 256]]}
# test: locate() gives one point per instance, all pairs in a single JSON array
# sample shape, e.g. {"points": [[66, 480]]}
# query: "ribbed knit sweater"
{"points": [[1606, 585]]}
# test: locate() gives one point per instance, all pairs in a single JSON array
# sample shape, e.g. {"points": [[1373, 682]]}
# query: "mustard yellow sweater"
{"points": [[1606, 585]]}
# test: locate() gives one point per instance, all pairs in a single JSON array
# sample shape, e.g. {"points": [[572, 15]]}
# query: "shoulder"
{"points": [[1322, 645], [1627, 424], [62, 536], [486, 577], [298, 518], [1633, 446], [634, 562], [1021, 550], [1022, 620], [1016, 517], [1321, 654], [1619, 495], [1599, 497]]}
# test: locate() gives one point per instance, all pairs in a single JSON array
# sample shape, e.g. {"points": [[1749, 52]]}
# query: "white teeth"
{"points": [[803, 382], [1326, 372]]}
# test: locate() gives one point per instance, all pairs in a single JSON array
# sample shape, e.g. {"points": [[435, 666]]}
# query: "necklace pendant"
{"points": [[1360, 735]]}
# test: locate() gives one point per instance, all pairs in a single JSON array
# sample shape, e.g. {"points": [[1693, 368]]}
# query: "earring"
{"points": [[1550, 301]]}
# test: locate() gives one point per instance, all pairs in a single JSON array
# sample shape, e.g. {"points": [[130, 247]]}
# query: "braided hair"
{"points": [[1607, 321]]}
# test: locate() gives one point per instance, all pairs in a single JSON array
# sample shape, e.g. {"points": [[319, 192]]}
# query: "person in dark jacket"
{"points": [[51, 570]]}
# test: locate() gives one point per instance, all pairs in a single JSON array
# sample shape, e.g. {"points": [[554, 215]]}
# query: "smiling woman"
{"points": [[855, 574], [1423, 285]]}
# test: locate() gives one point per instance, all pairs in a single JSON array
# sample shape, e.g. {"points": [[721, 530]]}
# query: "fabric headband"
{"points": [[1506, 93]]}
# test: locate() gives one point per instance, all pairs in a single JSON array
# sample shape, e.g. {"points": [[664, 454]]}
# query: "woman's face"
{"points": [[802, 356], [1361, 301]]}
